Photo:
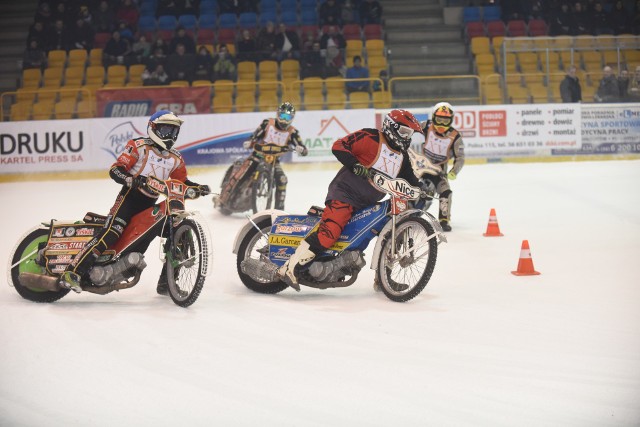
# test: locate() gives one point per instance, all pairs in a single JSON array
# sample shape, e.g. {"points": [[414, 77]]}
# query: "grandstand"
{"points": [[466, 54]]}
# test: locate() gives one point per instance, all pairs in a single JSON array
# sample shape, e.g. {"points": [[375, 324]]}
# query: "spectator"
{"points": [[332, 45], [244, 6], [287, 43], [37, 33], [157, 77], [156, 58], [227, 6], [309, 40], [204, 64], [34, 56], [128, 13], [582, 21], [117, 50], [330, 13], [104, 18], [224, 67], [44, 15], [312, 63], [247, 47], [561, 23], [188, 7], [62, 14], [168, 7], [182, 38], [370, 12], [635, 21], [623, 85], [58, 37], [357, 72], [125, 32], [348, 9], [82, 36], [601, 23], [619, 19], [85, 14], [161, 44], [384, 77], [141, 50], [608, 90], [181, 65], [267, 42], [570, 89], [633, 92]]}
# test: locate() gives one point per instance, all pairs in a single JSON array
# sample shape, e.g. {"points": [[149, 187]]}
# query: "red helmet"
{"points": [[398, 127]]}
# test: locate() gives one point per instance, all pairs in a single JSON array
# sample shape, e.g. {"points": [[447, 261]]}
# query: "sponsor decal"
{"points": [[118, 228], [70, 232], [291, 228], [284, 240], [58, 232], [84, 232], [65, 246], [60, 259], [280, 254], [176, 188], [128, 108], [156, 185]]}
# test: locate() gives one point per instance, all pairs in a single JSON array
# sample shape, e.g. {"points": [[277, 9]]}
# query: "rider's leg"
{"points": [[281, 186], [444, 214], [335, 216]]}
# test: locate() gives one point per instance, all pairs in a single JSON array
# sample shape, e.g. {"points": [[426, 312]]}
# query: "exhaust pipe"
{"points": [[39, 282]]}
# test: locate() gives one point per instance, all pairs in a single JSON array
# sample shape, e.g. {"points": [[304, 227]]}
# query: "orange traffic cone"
{"points": [[525, 264], [493, 229]]}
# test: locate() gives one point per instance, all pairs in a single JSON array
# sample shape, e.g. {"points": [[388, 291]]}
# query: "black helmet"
{"points": [[285, 114]]}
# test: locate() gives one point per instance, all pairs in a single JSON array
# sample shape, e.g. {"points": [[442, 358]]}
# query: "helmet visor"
{"points": [[285, 117], [405, 132], [167, 131], [442, 121]]}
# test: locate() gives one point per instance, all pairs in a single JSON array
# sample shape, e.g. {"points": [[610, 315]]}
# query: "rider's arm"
{"points": [[258, 134], [119, 171], [406, 172], [358, 147], [457, 154]]}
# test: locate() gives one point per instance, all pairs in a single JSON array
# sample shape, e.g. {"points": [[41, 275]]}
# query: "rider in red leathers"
{"points": [[362, 153], [141, 157]]}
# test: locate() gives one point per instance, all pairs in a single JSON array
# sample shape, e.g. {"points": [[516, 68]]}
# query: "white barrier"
{"points": [[490, 132]]}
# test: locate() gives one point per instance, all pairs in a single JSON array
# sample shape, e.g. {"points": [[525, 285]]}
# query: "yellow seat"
{"points": [[52, 77], [69, 93], [95, 57], [518, 94], [550, 62], [584, 41], [312, 84], [268, 87], [313, 101], [246, 70], [336, 100], [201, 83], [493, 94], [47, 94], [245, 102], [114, 85], [480, 45], [563, 42], [588, 93], [64, 109], [77, 58], [25, 95], [381, 99], [42, 110], [611, 58], [354, 47], [376, 62], [246, 87], [222, 103], [84, 109], [485, 63], [31, 78], [289, 69], [293, 97], [268, 70], [514, 79], [539, 93], [374, 47], [94, 75], [359, 100], [73, 76], [631, 56], [56, 59], [135, 74], [179, 83], [528, 62], [223, 86], [116, 74], [533, 79], [511, 65], [267, 102], [21, 111], [333, 84], [496, 44], [591, 60]]}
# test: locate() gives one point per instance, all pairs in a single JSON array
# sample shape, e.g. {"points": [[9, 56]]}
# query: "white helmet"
{"points": [[442, 117], [163, 129]]}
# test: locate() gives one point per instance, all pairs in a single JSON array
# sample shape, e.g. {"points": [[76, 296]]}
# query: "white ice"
{"points": [[478, 347]]}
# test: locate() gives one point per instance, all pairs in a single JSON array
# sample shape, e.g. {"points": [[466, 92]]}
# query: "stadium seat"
{"points": [[206, 36], [25, 95], [248, 20], [354, 47], [207, 21], [381, 99], [148, 9], [189, 22], [584, 41], [352, 32], [84, 109], [135, 74], [245, 102], [592, 60], [197, 83], [289, 17], [474, 29], [77, 58], [359, 100], [308, 17], [313, 101], [246, 86], [222, 103], [471, 14], [537, 27], [517, 28], [375, 47], [485, 63], [496, 28], [288, 5], [94, 75], [480, 45], [518, 94], [372, 31], [268, 87], [56, 58], [268, 102], [179, 83], [52, 77], [612, 58], [491, 13], [528, 62], [73, 76], [267, 16], [147, 24], [100, 40], [21, 111], [167, 23], [289, 69], [268, 70], [246, 70], [308, 4], [64, 109], [69, 93], [223, 86], [31, 78], [227, 36], [42, 110], [116, 75], [208, 7], [228, 20], [336, 100], [95, 56]]}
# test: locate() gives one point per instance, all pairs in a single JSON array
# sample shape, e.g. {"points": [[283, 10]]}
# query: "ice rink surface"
{"points": [[478, 347]]}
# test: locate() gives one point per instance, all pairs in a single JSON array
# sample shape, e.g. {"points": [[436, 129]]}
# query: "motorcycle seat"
{"points": [[94, 218]]}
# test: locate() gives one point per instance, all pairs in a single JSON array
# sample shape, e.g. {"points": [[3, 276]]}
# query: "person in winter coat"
{"points": [[570, 89]]}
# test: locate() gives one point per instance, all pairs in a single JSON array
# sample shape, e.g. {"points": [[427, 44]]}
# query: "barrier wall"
{"points": [[494, 132]]}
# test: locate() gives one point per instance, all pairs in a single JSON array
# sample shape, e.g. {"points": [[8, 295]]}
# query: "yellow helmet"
{"points": [[442, 117]]}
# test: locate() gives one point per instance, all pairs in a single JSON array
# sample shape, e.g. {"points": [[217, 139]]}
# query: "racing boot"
{"points": [[302, 256], [444, 223], [163, 283], [445, 210], [70, 280]]}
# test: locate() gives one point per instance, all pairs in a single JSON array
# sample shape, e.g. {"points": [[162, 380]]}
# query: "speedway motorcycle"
{"points": [[43, 254], [404, 256], [257, 192]]}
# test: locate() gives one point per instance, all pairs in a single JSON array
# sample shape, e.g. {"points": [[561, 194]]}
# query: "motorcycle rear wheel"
{"points": [[403, 279], [251, 244], [186, 278], [261, 192], [28, 249]]}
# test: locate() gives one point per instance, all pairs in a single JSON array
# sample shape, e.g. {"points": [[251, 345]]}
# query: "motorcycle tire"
{"points": [[261, 192], [26, 251], [392, 276], [248, 248], [187, 273]]}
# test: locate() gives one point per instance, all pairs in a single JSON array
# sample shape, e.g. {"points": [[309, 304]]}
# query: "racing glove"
{"points": [[360, 170], [302, 150], [204, 190], [247, 144]]}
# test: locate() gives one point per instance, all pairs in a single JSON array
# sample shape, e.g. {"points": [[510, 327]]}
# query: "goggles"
{"points": [[405, 132], [285, 117], [166, 131], [442, 121]]}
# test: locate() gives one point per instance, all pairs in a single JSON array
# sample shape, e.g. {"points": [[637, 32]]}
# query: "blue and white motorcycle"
{"points": [[404, 256]]}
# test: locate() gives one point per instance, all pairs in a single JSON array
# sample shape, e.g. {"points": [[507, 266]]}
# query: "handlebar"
{"points": [[272, 148]]}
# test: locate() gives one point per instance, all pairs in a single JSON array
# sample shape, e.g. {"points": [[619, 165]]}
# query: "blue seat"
{"points": [[471, 14], [248, 20], [188, 21], [208, 21], [267, 5], [167, 23], [288, 5], [228, 20], [149, 2], [289, 18], [148, 9], [308, 4], [491, 13], [208, 7], [147, 23], [267, 17], [309, 17]]}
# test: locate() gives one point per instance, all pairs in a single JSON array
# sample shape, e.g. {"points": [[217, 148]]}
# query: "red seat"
{"points": [[474, 29], [537, 27], [165, 35], [226, 35], [100, 39], [517, 28], [351, 32], [206, 36], [372, 31], [496, 28]]}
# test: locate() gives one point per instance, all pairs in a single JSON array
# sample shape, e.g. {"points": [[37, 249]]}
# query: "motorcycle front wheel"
{"points": [[403, 276], [255, 245], [187, 271], [262, 192], [26, 253]]}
